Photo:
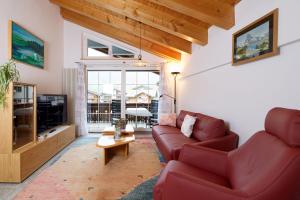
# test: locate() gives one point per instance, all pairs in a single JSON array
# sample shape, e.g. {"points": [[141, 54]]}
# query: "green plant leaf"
{"points": [[8, 73]]}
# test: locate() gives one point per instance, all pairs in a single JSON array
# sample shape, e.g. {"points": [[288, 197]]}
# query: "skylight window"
{"points": [[96, 49], [121, 53]]}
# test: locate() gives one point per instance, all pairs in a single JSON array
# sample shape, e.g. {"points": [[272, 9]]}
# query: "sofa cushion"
{"points": [[171, 144], [285, 124], [262, 161], [207, 127], [167, 119], [182, 168], [188, 125], [160, 130], [181, 116]]}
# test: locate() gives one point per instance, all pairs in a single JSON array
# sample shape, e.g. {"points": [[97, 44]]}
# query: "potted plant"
{"points": [[8, 73], [120, 126]]}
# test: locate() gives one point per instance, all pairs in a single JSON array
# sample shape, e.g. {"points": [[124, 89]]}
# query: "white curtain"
{"points": [[75, 88], [166, 87], [80, 101]]}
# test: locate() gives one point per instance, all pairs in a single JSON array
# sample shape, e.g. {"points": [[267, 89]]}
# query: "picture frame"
{"points": [[25, 47], [256, 41]]}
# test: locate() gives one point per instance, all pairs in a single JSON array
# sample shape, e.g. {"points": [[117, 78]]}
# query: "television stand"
{"points": [[22, 162]]}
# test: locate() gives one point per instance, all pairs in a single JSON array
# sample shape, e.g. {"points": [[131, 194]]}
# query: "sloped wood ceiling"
{"points": [[169, 27]]}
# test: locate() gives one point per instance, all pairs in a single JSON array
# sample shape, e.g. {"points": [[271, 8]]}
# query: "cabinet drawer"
{"points": [[66, 136], [33, 158]]}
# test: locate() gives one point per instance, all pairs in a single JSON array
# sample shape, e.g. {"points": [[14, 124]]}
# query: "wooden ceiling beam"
{"points": [[120, 35], [215, 12], [159, 17], [232, 2], [126, 24]]}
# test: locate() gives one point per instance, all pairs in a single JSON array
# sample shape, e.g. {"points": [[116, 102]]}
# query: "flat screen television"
{"points": [[51, 112]]}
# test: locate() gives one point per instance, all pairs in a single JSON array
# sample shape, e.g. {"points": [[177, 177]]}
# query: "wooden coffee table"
{"points": [[112, 146]]}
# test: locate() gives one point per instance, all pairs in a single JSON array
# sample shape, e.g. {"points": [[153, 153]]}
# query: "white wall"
{"points": [[243, 95], [73, 46], [43, 19]]}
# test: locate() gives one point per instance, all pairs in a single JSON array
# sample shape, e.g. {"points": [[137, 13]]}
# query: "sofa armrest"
{"points": [[228, 142], [176, 152], [205, 158], [183, 186]]}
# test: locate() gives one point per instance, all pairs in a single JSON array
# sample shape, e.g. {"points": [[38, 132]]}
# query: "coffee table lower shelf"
{"points": [[110, 152], [111, 147]]}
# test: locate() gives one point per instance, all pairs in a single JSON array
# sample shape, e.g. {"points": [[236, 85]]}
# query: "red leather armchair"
{"points": [[266, 167]]}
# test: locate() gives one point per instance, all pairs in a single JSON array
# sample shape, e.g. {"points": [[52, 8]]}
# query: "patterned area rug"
{"points": [[143, 191], [81, 174]]}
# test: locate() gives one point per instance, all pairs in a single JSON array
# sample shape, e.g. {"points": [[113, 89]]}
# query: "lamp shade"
{"points": [[175, 68]]}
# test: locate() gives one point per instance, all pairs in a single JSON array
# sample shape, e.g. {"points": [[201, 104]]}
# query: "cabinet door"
{"points": [[23, 119], [66, 136], [34, 157]]}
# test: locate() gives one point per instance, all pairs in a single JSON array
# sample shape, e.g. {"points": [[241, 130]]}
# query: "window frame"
{"points": [[106, 42], [123, 68]]}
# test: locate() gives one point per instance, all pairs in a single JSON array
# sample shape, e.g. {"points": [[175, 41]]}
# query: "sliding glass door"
{"points": [[104, 99], [108, 90], [141, 97]]}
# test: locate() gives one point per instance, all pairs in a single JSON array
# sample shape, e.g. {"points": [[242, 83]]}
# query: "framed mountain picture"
{"points": [[25, 47], [257, 40]]}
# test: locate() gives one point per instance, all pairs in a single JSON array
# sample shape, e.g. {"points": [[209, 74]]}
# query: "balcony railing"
{"points": [[101, 115]]}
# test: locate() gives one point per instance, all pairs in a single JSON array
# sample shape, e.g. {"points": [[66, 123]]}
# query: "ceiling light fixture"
{"points": [[140, 62]]}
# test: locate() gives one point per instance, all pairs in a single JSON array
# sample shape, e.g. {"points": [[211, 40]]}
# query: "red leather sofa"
{"points": [[208, 132], [266, 167]]}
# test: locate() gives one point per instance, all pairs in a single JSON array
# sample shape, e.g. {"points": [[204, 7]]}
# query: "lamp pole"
{"points": [[175, 76]]}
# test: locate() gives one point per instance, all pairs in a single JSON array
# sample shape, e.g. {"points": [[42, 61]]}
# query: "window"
{"points": [[104, 99], [95, 49], [141, 97], [137, 100], [121, 53]]}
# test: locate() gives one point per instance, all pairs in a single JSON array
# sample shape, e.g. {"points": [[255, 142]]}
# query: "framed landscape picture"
{"points": [[25, 47], [257, 40]]}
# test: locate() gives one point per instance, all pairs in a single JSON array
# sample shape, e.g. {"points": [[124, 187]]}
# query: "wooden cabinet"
{"points": [[37, 154], [20, 152], [64, 139], [21, 163], [24, 114], [41, 152], [18, 117]]}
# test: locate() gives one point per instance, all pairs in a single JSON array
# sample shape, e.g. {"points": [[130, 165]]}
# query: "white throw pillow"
{"points": [[188, 125]]}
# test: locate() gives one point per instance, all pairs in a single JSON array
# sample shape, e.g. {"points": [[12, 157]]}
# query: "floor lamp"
{"points": [[174, 72]]}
